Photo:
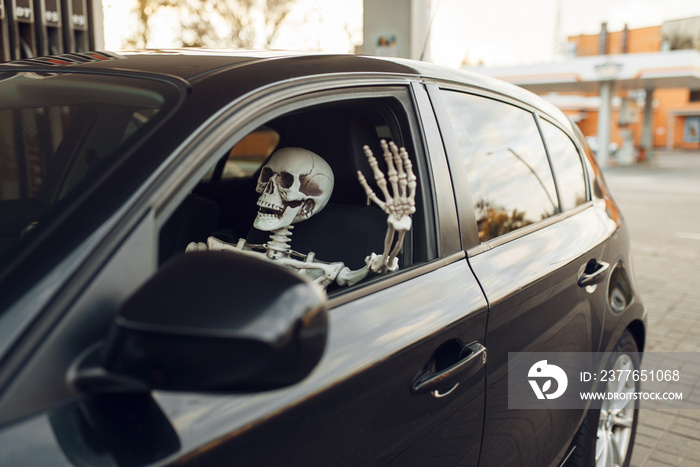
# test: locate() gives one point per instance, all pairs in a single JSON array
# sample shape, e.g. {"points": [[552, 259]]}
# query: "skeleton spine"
{"points": [[278, 246]]}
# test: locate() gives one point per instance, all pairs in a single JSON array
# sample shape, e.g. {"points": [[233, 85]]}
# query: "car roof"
{"points": [[263, 67], [194, 65]]}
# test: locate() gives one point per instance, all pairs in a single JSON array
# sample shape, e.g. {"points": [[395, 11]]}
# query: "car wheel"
{"points": [[606, 436]]}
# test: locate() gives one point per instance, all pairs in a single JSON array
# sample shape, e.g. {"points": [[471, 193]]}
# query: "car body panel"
{"points": [[536, 305], [516, 293], [378, 345], [361, 389], [529, 278]]}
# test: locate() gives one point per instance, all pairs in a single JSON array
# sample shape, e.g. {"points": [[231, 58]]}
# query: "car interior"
{"points": [[52, 154], [348, 229]]}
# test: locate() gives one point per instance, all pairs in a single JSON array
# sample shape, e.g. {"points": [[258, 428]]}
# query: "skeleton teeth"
{"points": [[265, 206], [269, 210]]}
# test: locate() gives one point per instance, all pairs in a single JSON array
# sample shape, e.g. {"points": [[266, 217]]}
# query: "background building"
{"points": [[676, 111], [397, 28], [629, 91]]}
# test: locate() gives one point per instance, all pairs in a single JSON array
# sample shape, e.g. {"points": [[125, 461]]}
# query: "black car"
{"points": [[148, 316]]}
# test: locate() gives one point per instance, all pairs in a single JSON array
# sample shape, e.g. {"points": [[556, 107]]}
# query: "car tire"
{"points": [[610, 430]]}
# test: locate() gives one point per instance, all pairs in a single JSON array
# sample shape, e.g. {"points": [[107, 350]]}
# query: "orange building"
{"points": [[627, 41], [675, 121], [629, 91], [676, 111]]}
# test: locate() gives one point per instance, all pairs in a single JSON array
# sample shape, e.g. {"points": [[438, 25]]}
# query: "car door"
{"points": [[402, 378], [534, 242]]}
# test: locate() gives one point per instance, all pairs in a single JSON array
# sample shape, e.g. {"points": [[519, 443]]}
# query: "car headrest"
{"points": [[338, 137]]}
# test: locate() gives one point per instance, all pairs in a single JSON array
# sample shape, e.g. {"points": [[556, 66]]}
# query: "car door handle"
{"points": [[594, 273], [473, 360]]}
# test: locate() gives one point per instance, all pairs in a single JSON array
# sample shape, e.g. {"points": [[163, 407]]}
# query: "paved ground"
{"points": [[661, 202]]}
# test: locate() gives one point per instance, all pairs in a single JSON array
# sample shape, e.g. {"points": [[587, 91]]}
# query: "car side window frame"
{"points": [[338, 93], [466, 206]]}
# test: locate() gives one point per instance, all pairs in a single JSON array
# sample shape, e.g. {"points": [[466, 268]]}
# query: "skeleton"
{"points": [[295, 184]]}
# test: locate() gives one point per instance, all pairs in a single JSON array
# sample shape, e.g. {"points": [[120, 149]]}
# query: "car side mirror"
{"points": [[210, 322]]}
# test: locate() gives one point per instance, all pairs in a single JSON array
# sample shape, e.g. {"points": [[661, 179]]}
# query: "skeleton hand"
{"points": [[399, 204]]}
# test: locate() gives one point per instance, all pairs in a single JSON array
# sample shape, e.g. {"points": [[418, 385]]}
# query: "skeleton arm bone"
{"points": [[349, 277], [323, 273], [214, 244], [329, 272]]}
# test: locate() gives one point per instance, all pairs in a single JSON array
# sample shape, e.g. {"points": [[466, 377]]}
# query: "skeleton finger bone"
{"points": [[370, 193], [398, 160], [391, 171], [378, 175], [411, 181]]}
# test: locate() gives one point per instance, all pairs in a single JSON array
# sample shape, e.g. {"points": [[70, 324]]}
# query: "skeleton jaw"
{"points": [[274, 216]]}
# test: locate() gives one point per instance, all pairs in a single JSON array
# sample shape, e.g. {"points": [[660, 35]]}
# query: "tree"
{"points": [[143, 10], [215, 23], [678, 41], [494, 221], [681, 34]]}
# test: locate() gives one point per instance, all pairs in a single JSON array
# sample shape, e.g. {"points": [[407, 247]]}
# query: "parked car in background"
{"points": [[119, 348]]}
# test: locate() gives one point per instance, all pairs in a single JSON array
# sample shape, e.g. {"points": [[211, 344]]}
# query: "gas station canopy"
{"points": [[606, 74], [674, 69]]}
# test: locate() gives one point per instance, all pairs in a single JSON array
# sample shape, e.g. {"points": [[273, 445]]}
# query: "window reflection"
{"points": [[567, 166], [60, 133], [507, 167]]}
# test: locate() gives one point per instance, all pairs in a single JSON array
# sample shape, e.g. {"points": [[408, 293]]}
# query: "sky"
{"points": [[518, 32], [488, 32]]}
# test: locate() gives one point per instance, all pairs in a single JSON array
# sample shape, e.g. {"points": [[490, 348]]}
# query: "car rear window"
{"points": [[566, 163], [60, 131], [506, 163]]}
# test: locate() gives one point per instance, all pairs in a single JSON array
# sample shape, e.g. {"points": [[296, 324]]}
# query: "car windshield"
{"points": [[59, 132]]}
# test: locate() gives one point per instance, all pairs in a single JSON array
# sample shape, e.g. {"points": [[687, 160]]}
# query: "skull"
{"points": [[294, 185]]}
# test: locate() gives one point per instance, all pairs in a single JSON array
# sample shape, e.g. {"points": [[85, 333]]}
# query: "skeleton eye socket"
{"points": [[286, 179], [266, 174]]}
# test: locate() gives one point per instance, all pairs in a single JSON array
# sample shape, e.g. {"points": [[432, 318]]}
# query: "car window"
{"points": [[566, 164], [507, 167], [60, 132], [348, 228]]}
